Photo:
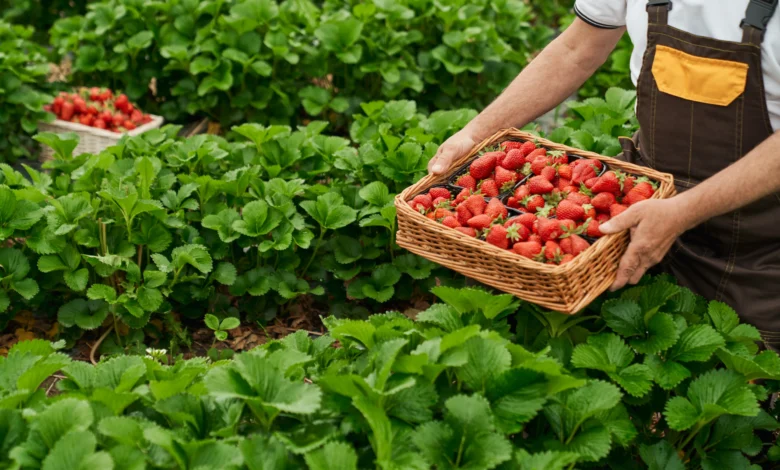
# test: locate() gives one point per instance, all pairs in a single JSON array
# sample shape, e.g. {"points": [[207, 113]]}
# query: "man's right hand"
{"points": [[450, 151]]}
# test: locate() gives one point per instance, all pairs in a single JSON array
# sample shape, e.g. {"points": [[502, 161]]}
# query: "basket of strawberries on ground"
{"points": [[522, 214], [99, 117]]}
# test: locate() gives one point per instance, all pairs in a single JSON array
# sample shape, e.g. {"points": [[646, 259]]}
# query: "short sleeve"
{"points": [[607, 14]]}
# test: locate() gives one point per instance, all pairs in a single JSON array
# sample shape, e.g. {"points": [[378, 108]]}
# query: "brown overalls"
{"points": [[701, 107]]}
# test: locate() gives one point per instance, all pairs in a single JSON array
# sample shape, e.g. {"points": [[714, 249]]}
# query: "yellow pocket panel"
{"points": [[699, 79]]}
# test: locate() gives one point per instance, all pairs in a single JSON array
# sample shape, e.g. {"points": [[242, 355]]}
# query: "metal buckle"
{"points": [[659, 3], [758, 14]]}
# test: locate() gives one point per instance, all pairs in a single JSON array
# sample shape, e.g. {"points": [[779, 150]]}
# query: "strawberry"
{"points": [[570, 210], [94, 94], [467, 231], [440, 213], [441, 202], [86, 119], [495, 209], [462, 195], [540, 152], [467, 181], [435, 193], [517, 230], [512, 202], [607, 183], [489, 188], [80, 105], [567, 226], [552, 250], [529, 249], [566, 259], [539, 164], [522, 192], [528, 147], [514, 160], [592, 230], [644, 188], [99, 123], [558, 157], [549, 229], [476, 204], [509, 145], [500, 158], [616, 209], [602, 218], [565, 171], [527, 219], [633, 197], [574, 245], [480, 222], [564, 184], [590, 211], [450, 222], [534, 237], [540, 185], [578, 197], [548, 173], [582, 172], [497, 236], [67, 112], [463, 214], [505, 179], [422, 202], [590, 182], [483, 166], [603, 201], [628, 184], [533, 202]]}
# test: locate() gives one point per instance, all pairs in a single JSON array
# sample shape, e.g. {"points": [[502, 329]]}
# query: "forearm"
{"points": [[549, 79], [754, 176]]}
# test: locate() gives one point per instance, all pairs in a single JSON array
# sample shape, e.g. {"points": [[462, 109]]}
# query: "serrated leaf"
{"points": [[661, 335], [667, 374], [660, 456], [623, 317], [333, 455], [85, 314], [225, 274], [696, 343]]}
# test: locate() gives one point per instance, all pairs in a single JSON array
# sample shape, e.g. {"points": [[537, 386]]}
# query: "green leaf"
{"points": [[549, 460], [223, 222], [258, 219], [27, 288], [196, 256], [63, 144], [76, 450], [333, 455], [624, 317], [77, 280], [85, 314], [660, 456], [101, 292], [225, 274], [667, 374], [229, 323], [696, 343], [475, 299], [340, 34], [264, 453], [149, 298], [376, 193], [212, 321], [487, 360], [329, 211], [661, 335]]}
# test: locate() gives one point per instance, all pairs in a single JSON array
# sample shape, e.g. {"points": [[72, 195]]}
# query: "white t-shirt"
{"points": [[718, 19]]}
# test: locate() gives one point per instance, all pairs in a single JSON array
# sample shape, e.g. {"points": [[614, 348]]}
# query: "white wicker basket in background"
{"points": [[91, 139]]}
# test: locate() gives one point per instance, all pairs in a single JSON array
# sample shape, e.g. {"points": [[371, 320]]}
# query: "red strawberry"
{"points": [[579, 198], [489, 188], [517, 231], [99, 123], [603, 201], [480, 222], [602, 218], [628, 184], [483, 166], [570, 210], [509, 145], [549, 229], [593, 229], [436, 193], [441, 202], [567, 225], [549, 173], [512, 202], [533, 202], [529, 249], [497, 236], [616, 209], [607, 183], [464, 214], [500, 156], [467, 181], [539, 164], [450, 222], [440, 213], [467, 230], [540, 152], [495, 209], [540, 185], [86, 119], [567, 259], [528, 147], [522, 192], [644, 188], [633, 197], [462, 195], [559, 157], [505, 179], [582, 172], [476, 204], [564, 184], [590, 182], [552, 250], [590, 212], [67, 112], [574, 245], [514, 160], [528, 220], [565, 171], [534, 237], [422, 202]]}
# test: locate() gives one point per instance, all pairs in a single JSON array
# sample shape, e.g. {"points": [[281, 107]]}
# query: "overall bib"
{"points": [[701, 107]]}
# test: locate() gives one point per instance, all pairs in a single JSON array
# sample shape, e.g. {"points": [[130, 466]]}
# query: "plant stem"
{"points": [[316, 249], [460, 450], [690, 436], [140, 255]]}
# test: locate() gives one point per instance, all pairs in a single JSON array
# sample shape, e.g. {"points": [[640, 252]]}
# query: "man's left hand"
{"points": [[655, 224]]}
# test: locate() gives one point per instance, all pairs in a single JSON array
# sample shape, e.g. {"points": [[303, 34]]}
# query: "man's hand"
{"points": [[655, 224], [450, 151]]}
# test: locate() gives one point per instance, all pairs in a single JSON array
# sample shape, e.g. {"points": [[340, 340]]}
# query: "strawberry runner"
{"points": [[735, 257]]}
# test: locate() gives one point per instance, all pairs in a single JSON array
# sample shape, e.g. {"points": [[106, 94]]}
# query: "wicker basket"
{"points": [[567, 288], [91, 139]]}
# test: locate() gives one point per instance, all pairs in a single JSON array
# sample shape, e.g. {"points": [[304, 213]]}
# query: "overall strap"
{"points": [[658, 11], [757, 17]]}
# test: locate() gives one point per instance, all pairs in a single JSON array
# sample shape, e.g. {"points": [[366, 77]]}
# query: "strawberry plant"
{"points": [[23, 90], [662, 380]]}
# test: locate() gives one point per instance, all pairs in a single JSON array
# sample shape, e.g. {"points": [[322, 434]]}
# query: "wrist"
{"points": [[685, 207]]}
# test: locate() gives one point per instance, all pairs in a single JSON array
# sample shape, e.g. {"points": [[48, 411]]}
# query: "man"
{"points": [[708, 101]]}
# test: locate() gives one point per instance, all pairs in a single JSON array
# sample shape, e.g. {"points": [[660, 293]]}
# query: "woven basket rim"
{"points": [[155, 123]]}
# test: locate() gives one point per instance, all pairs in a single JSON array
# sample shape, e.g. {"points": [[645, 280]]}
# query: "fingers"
{"points": [[442, 161], [624, 221], [629, 266]]}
